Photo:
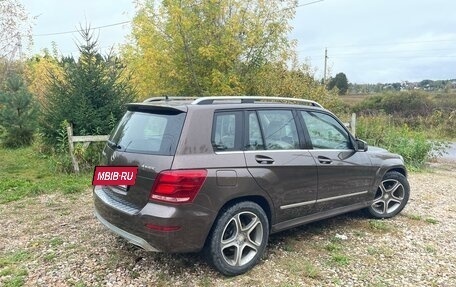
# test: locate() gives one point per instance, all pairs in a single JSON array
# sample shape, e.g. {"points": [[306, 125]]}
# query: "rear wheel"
{"points": [[239, 238], [391, 196]]}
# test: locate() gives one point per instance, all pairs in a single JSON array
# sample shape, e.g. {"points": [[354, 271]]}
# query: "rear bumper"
{"points": [[194, 223], [136, 240]]}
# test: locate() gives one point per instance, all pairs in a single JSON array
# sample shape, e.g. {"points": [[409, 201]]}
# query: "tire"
{"points": [[391, 196], [238, 239]]}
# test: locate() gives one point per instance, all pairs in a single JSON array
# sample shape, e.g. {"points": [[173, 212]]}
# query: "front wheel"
{"points": [[238, 239], [391, 196]]}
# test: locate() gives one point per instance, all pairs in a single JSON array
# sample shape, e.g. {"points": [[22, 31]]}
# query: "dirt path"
{"points": [[54, 240]]}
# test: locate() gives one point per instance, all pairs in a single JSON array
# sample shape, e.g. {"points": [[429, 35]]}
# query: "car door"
{"points": [[344, 175], [278, 164]]}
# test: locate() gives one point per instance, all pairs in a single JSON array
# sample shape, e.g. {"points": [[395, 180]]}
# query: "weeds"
{"points": [[431, 220], [414, 146], [380, 225], [11, 267], [416, 217]]}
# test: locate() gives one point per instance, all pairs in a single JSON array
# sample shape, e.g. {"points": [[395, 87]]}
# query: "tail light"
{"points": [[178, 186]]}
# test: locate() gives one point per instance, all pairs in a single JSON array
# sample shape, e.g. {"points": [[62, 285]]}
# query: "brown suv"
{"points": [[220, 174]]}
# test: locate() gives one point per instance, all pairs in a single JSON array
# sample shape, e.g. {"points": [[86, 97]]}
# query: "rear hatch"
{"points": [[146, 137]]}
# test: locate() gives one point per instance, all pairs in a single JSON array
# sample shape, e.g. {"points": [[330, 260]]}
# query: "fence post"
{"points": [[353, 124], [71, 146]]}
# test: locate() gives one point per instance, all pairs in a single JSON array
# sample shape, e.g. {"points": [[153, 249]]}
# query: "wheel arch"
{"points": [[400, 170]]}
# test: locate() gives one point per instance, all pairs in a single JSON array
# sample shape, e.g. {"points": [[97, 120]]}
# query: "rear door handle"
{"points": [[264, 159], [324, 160]]}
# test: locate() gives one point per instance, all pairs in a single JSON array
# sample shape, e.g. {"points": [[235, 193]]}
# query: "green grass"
{"points": [[340, 259], [11, 267], [414, 216], [25, 172], [378, 224], [302, 268], [336, 251], [431, 220]]}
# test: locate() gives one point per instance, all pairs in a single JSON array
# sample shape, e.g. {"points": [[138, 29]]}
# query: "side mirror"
{"points": [[361, 145]]}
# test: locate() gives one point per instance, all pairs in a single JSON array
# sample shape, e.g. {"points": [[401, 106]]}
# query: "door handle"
{"points": [[324, 160], [264, 159]]}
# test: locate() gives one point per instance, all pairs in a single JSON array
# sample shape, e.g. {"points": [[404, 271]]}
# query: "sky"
{"points": [[371, 41]]}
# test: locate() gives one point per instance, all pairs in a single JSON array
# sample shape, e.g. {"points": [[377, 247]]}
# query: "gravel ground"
{"points": [[54, 240]]}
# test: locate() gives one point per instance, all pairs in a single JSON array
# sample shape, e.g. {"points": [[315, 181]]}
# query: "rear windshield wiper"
{"points": [[113, 145]]}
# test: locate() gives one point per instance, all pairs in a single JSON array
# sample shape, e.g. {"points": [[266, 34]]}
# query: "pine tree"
{"points": [[91, 91], [17, 113]]}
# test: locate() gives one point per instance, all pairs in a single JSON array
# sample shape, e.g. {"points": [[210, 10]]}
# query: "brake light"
{"points": [[178, 186]]}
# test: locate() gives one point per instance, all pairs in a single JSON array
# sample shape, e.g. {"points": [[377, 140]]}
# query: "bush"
{"points": [[412, 145], [403, 104], [434, 115]]}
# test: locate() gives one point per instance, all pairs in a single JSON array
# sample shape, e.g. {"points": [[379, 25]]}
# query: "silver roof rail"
{"points": [[167, 98], [252, 99]]}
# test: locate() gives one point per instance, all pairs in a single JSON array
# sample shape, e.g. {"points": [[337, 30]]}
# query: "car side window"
{"points": [[255, 139], [279, 129], [325, 132], [224, 134]]}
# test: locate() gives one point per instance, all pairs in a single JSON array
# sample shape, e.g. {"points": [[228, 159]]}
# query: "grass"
{"points": [[24, 173], [431, 220], [303, 268], [336, 252], [414, 216], [379, 225], [11, 267]]}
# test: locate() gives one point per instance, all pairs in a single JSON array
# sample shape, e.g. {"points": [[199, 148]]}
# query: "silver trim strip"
{"points": [[298, 204], [229, 152], [136, 240], [341, 196], [277, 151]]}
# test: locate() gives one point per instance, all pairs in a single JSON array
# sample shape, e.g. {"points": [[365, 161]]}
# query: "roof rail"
{"points": [[167, 98], [252, 99]]}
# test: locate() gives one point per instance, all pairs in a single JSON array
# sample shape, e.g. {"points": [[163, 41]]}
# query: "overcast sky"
{"points": [[369, 40]]}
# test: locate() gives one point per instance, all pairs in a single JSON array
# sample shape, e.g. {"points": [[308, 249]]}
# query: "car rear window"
{"points": [[148, 132]]}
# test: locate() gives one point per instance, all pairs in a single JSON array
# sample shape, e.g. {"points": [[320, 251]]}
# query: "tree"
{"points": [[14, 26], [340, 82], [17, 113], [89, 94], [290, 80], [196, 48], [37, 70]]}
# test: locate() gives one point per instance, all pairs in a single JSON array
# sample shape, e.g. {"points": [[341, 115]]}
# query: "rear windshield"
{"points": [[148, 132]]}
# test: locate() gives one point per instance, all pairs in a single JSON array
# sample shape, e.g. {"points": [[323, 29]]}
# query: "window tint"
{"points": [[255, 140], [325, 132], [224, 136], [149, 133], [279, 129]]}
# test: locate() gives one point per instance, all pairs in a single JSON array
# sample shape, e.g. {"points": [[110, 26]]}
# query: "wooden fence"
{"points": [[85, 139]]}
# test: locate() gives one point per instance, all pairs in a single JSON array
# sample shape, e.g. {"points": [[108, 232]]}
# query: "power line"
{"points": [[74, 31], [308, 3], [300, 5], [379, 44], [129, 21]]}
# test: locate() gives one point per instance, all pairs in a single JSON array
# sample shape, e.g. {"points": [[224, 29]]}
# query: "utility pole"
{"points": [[326, 60]]}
